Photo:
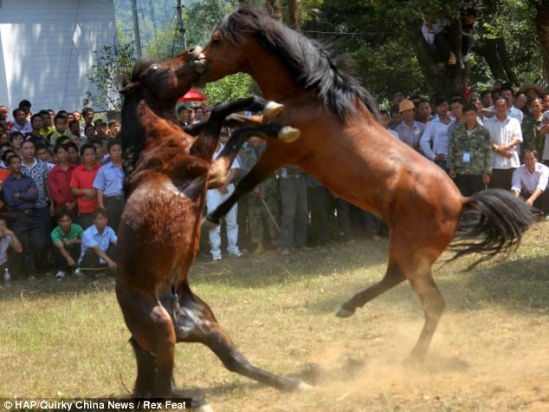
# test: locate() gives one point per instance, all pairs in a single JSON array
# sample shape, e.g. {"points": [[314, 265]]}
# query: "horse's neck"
{"points": [[271, 75], [154, 125]]}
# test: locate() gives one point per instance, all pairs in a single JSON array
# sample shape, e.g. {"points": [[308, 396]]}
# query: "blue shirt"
{"points": [[26, 199], [92, 238], [109, 179]]}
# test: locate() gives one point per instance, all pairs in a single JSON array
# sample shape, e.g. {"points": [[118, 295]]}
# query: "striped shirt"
{"points": [[39, 172]]}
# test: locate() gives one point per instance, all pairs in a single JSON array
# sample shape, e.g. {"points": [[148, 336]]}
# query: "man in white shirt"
{"points": [[509, 95], [506, 135], [530, 181], [214, 197], [435, 138]]}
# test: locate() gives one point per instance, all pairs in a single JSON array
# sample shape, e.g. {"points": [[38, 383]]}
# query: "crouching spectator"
{"points": [[67, 239], [98, 245], [530, 182], [7, 240]]}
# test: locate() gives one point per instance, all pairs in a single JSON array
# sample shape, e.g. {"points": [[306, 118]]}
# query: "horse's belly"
{"points": [[161, 223]]}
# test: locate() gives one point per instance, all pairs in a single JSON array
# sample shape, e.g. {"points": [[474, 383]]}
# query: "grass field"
{"points": [[490, 352]]}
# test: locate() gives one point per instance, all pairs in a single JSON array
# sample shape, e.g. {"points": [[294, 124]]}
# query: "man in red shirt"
{"points": [[82, 185], [59, 181]]}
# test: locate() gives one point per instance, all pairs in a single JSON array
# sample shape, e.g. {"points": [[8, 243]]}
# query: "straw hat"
{"points": [[539, 90], [406, 105]]}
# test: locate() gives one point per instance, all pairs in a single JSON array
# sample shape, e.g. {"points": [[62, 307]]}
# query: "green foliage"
{"points": [[230, 88], [110, 64], [201, 18]]}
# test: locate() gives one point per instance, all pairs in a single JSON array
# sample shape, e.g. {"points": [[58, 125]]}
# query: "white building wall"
{"points": [[46, 50]]}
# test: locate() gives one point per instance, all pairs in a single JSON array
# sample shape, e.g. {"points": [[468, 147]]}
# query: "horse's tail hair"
{"points": [[492, 221]]}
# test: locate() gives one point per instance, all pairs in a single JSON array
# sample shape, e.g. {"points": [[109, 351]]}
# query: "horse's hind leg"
{"points": [[433, 305], [201, 326], [393, 277], [146, 371], [153, 340]]}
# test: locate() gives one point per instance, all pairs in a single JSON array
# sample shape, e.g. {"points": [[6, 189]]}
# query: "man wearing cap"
{"points": [[435, 138], [409, 131]]}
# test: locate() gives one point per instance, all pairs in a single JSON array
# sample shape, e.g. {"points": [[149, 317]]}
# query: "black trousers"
{"points": [[115, 207], [502, 179], [468, 185], [541, 203], [60, 263], [91, 261]]}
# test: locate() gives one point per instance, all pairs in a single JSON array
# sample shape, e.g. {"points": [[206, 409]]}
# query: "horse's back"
{"points": [[363, 163]]}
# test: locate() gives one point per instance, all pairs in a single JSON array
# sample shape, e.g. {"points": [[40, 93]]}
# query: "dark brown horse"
{"points": [[160, 228], [345, 148]]}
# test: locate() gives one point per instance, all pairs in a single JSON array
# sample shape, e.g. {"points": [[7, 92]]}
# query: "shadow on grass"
{"points": [[252, 271], [519, 285]]}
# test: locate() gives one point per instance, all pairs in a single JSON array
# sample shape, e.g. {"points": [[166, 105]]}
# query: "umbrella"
{"points": [[192, 95]]}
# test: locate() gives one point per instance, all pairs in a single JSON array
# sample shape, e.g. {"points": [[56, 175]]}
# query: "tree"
{"points": [[110, 64], [541, 21], [274, 8]]}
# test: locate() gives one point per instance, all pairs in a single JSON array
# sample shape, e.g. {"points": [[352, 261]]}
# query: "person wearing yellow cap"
{"points": [[409, 131]]}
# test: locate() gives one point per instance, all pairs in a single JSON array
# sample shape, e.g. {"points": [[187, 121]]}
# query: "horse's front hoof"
{"points": [[273, 109], [345, 313], [209, 223], [205, 407], [303, 387], [289, 134]]}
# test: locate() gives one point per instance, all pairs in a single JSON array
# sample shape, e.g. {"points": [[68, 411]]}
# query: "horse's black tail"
{"points": [[492, 221]]}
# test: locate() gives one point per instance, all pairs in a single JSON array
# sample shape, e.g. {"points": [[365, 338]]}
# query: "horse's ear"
{"points": [[127, 88]]}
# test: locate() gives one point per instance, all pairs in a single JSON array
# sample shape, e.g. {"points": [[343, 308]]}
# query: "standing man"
{"points": [[214, 197], [59, 181], [531, 126], [409, 131], [435, 138], [20, 195], [294, 219], [109, 183], [506, 135], [509, 95], [20, 122], [423, 111], [470, 154], [38, 171], [82, 185], [262, 201]]}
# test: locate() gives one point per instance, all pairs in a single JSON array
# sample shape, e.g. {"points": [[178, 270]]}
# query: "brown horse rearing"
{"points": [[160, 228], [345, 148]]}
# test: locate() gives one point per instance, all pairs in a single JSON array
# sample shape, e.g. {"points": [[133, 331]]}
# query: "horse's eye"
{"points": [[216, 40], [154, 67]]}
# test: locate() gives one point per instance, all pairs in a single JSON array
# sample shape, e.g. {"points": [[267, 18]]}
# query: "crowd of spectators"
{"points": [[61, 179]]}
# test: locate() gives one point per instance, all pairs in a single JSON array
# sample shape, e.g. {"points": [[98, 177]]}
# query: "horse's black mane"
{"points": [[131, 133], [313, 66]]}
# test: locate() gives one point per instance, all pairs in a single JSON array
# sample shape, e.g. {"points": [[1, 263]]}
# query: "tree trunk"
{"points": [[489, 51], [274, 8], [293, 10], [542, 29], [506, 61]]}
